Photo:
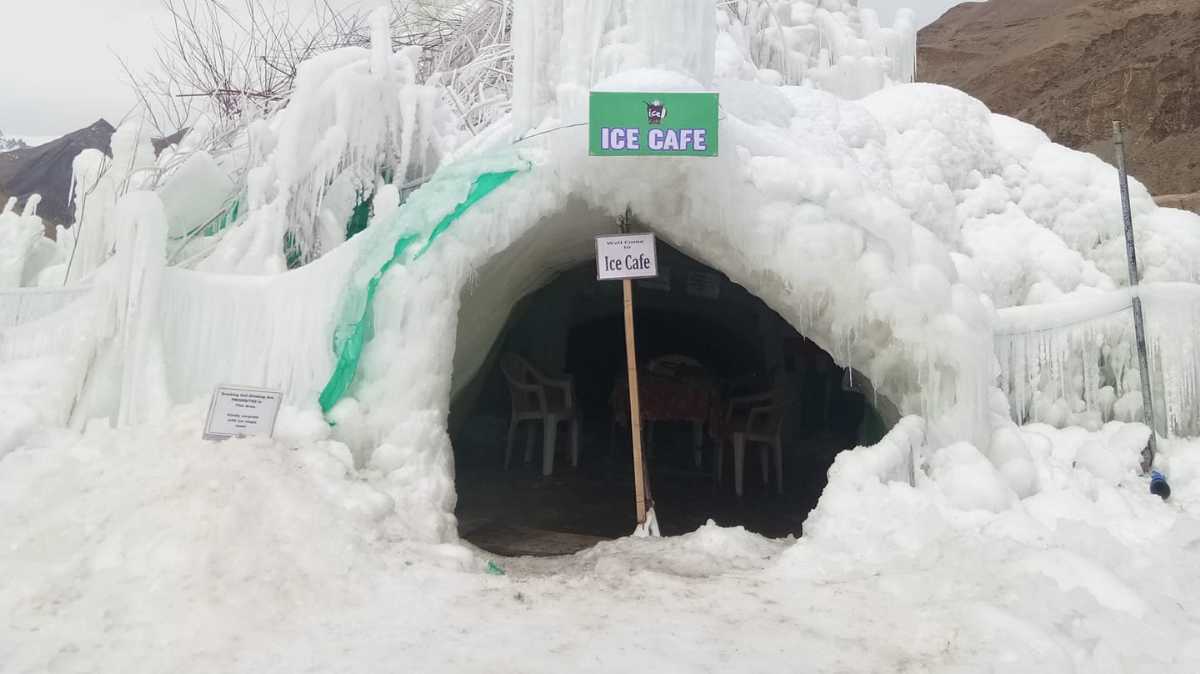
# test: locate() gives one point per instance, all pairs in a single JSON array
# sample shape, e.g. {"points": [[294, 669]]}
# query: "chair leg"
{"points": [[512, 436], [529, 439], [719, 463], [739, 461], [575, 422], [765, 461], [697, 443], [549, 437], [779, 466]]}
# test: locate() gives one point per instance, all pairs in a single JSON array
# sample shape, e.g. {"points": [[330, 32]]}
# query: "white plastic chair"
{"points": [[536, 397], [762, 424]]}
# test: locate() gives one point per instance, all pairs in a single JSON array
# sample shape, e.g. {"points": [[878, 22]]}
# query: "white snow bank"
{"points": [[1078, 475], [130, 540], [709, 551], [152, 549], [1007, 581], [1179, 460]]}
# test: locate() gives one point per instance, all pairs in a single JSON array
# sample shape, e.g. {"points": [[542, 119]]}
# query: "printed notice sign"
{"points": [[238, 411], [626, 256]]}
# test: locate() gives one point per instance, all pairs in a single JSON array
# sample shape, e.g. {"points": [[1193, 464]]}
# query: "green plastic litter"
{"points": [[350, 337], [494, 569]]}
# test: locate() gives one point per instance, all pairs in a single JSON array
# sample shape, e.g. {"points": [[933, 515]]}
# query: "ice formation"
{"points": [[20, 233], [972, 270], [912, 234]]}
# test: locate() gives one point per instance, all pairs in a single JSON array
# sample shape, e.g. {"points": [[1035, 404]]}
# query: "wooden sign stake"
{"points": [[635, 412]]}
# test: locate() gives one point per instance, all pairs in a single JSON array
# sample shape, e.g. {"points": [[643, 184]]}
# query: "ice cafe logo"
{"points": [[656, 112], [656, 137]]}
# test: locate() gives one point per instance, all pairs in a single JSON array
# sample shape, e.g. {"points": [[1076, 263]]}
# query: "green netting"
{"points": [[291, 250], [294, 253], [351, 335], [226, 219], [359, 216], [215, 224]]}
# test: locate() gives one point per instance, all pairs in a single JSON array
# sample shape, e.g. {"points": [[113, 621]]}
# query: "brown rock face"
{"points": [[1186, 202], [46, 170], [1071, 67]]}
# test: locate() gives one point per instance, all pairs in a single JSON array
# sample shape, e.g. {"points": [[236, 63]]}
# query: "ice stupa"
{"points": [[897, 225]]}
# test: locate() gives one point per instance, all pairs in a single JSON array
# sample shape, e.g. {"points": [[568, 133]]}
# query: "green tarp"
{"points": [[357, 325]]}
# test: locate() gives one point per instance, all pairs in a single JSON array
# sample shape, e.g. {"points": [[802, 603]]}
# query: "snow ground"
{"points": [[151, 550]]}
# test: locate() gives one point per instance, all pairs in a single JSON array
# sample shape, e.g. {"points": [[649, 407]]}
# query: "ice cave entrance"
{"points": [[703, 342]]}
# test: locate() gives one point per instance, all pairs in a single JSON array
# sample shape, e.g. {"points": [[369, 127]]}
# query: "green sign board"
{"points": [[623, 124]]}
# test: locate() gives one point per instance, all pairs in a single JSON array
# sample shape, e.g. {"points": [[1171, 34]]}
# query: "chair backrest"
{"points": [[771, 422], [516, 370], [520, 376]]}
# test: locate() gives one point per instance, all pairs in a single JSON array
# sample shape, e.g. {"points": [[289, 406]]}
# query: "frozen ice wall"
{"points": [[564, 47], [360, 118], [98, 181], [357, 116], [831, 44], [19, 236], [1076, 364]]}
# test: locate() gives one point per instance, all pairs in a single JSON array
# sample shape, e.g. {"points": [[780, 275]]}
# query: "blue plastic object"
{"points": [[1159, 486]]}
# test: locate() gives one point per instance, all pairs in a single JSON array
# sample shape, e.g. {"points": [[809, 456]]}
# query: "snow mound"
{"points": [[148, 548], [137, 532]]}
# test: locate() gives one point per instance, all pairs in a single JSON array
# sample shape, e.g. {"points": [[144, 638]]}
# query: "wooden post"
{"points": [[635, 412], [635, 408]]}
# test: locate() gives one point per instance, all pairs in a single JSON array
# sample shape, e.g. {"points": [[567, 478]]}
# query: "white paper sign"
{"points": [[626, 256], [238, 411]]}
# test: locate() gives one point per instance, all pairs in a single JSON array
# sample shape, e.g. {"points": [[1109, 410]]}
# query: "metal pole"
{"points": [[635, 412], [1139, 324]]}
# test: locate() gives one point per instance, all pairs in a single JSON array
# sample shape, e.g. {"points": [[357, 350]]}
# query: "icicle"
{"points": [[31, 206], [381, 40]]}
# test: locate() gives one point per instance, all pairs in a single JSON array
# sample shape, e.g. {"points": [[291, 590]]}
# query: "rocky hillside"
{"points": [[46, 170], [1071, 67]]}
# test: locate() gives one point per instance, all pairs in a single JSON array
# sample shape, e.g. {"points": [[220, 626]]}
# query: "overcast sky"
{"points": [[927, 10], [58, 58]]}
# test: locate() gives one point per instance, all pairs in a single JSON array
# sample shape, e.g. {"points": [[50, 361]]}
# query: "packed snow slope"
{"points": [[148, 549]]}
